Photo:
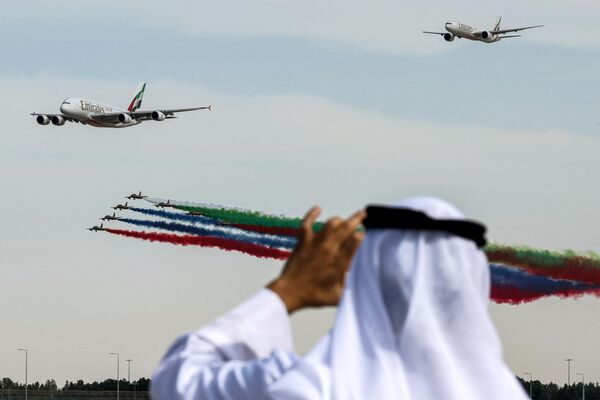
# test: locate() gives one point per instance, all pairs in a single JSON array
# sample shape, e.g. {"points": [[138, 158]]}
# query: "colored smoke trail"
{"points": [[519, 274], [270, 230], [205, 241], [567, 266], [176, 216], [237, 216], [227, 233], [515, 286], [509, 285]]}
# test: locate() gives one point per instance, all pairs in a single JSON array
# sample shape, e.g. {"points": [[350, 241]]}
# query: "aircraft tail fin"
{"points": [[497, 26], [136, 102]]}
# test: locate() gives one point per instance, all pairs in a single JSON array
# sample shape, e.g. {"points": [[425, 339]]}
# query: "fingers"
{"points": [[353, 222], [337, 230], [306, 228]]}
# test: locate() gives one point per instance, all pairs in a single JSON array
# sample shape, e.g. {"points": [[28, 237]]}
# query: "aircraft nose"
{"points": [[65, 105]]}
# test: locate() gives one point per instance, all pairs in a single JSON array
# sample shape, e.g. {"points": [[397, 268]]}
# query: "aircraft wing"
{"points": [[510, 36], [169, 113], [503, 31], [435, 33], [113, 117], [55, 115]]}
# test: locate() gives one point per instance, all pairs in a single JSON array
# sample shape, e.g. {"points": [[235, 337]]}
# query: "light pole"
{"points": [[583, 384], [530, 387], [26, 361], [117, 354], [568, 360], [129, 369]]}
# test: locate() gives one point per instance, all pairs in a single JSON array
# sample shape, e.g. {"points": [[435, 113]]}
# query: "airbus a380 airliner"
{"points": [[459, 30], [100, 115]]}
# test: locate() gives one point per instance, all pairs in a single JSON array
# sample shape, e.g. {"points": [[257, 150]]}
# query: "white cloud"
{"points": [[275, 153]]}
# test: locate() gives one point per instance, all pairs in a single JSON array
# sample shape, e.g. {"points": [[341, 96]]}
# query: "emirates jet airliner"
{"points": [[100, 115], [460, 30]]}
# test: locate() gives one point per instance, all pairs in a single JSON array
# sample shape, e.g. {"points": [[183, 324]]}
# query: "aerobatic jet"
{"points": [[162, 204], [110, 218], [134, 196], [121, 207], [460, 30], [97, 228], [100, 115]]}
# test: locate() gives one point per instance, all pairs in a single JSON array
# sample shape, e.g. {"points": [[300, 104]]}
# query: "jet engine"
{"points": [[486, 35], [158, 116], [448, 37], [124, 118], [43, 119], [58, 120]]}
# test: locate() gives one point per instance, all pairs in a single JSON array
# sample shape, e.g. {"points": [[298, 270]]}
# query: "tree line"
{"points": [[141, 385], [551, 391], [540, 391]]}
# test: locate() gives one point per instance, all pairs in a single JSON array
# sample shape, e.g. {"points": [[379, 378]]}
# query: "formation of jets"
{"points": [[114, 217], [463, 31], [88, 112]]}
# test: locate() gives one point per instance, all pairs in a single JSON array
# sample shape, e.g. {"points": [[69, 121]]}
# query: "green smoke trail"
{"points": [[234, 216]]}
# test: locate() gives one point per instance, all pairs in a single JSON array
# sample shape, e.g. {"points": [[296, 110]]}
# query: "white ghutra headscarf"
{"points": [[412, 324]]}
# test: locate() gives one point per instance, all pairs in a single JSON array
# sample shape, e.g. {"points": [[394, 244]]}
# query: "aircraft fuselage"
{"points": [[81, 109], [465, 31]]}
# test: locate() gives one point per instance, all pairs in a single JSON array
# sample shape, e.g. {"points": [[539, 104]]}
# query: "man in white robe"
{"points": [[412, 323]]}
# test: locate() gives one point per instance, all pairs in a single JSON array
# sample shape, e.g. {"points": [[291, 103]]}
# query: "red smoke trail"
{"points": [[270, 230], [205, 241], [515, 295]]}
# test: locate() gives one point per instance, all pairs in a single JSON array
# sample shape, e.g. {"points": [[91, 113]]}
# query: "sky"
{"points": [[336, 103]]}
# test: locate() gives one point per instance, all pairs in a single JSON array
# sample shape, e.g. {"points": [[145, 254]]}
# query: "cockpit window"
{"points": [[66, 102]]}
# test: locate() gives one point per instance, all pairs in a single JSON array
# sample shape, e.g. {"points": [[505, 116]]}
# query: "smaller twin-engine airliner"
{"points": [[460, 30], [100, 115]]}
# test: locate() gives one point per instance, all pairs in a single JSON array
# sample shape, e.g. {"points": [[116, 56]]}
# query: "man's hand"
{"points": [[314, 274]]}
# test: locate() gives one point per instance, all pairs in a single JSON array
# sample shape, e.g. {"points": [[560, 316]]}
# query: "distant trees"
{"points": [[141, 384], [551, 391], [541, 391]]}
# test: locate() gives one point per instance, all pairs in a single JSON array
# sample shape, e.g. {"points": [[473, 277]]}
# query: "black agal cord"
{"points": [[380, 217]]}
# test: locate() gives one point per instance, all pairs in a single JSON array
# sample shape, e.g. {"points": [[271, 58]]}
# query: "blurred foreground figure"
{"points": [[412, 323]]}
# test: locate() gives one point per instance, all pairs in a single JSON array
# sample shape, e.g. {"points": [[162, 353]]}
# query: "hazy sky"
{"points": [[336, 103]]}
